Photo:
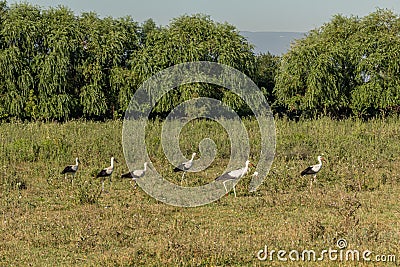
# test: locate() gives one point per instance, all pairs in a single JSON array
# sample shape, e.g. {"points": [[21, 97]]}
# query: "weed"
{"points": [[87, 193]]}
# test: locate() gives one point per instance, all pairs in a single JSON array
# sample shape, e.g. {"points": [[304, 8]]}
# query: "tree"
{"points": [[146, 28], [266, 67], [348, 65], [188, 39], [20, 38], [54, 64], [376, 53], [106, 46]]}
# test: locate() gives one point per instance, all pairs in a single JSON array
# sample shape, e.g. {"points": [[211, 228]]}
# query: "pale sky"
{"points": [[246, 15]]}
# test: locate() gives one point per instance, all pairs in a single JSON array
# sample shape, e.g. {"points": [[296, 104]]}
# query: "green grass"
{"points": [[45, 221]]}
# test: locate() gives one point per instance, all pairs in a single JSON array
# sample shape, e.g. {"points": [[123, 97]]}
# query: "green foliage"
{"points": [[59, 66], [188, 39], [347, 64], [265, 72], [107, 44], [56, 65]]}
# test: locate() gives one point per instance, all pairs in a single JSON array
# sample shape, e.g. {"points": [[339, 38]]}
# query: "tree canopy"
{"points": [[55, 65], [189, 39], [348, 66]]}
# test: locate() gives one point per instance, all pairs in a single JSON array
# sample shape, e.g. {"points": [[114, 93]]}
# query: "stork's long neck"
{"points": [[245, 169], [77, 162], [319, 161], [145, 166], [112, 162], [192, 157]]}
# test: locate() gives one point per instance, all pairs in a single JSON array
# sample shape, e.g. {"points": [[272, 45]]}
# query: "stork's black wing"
{"points": [[309, 170], [179, 168], [127, 175], [103, 173], [68, 169]]}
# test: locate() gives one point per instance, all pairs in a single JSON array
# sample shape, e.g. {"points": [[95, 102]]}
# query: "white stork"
{"points": [[71, 169], [185, 166], [106, 172], [136, 174], [234, 175], [313, 170]]}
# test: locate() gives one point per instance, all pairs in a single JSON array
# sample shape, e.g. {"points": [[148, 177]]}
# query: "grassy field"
{"points": [[47, 221]]}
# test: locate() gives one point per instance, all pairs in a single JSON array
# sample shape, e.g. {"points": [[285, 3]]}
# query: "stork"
{"points": [[234, 175], [136, 174], [313, 170], [106, 172], [71, 169], [185, 166]]}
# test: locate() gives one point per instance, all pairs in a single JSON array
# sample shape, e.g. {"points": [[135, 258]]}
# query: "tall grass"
{"points": [[48, 221]]}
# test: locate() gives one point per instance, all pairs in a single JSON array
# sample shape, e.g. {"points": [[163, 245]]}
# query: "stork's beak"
{"points": [[251, 164], [323, 159]]}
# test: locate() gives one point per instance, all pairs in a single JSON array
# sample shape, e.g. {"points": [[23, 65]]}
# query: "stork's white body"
{"points": [[136, 174], [313, 170], [106, 172], [185, 166], [71, 169], [233, 175]]}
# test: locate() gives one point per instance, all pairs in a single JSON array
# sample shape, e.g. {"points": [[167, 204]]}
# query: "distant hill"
{"points": [[277, 43]]}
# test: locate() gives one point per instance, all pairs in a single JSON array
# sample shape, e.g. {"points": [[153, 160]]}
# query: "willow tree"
{"points": [[265, 72], [316, 75], [3, 10], [35, 61], [348, 65], [20, 31], [55, 62], [189, 39], [376, 53], [106, 46]]}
